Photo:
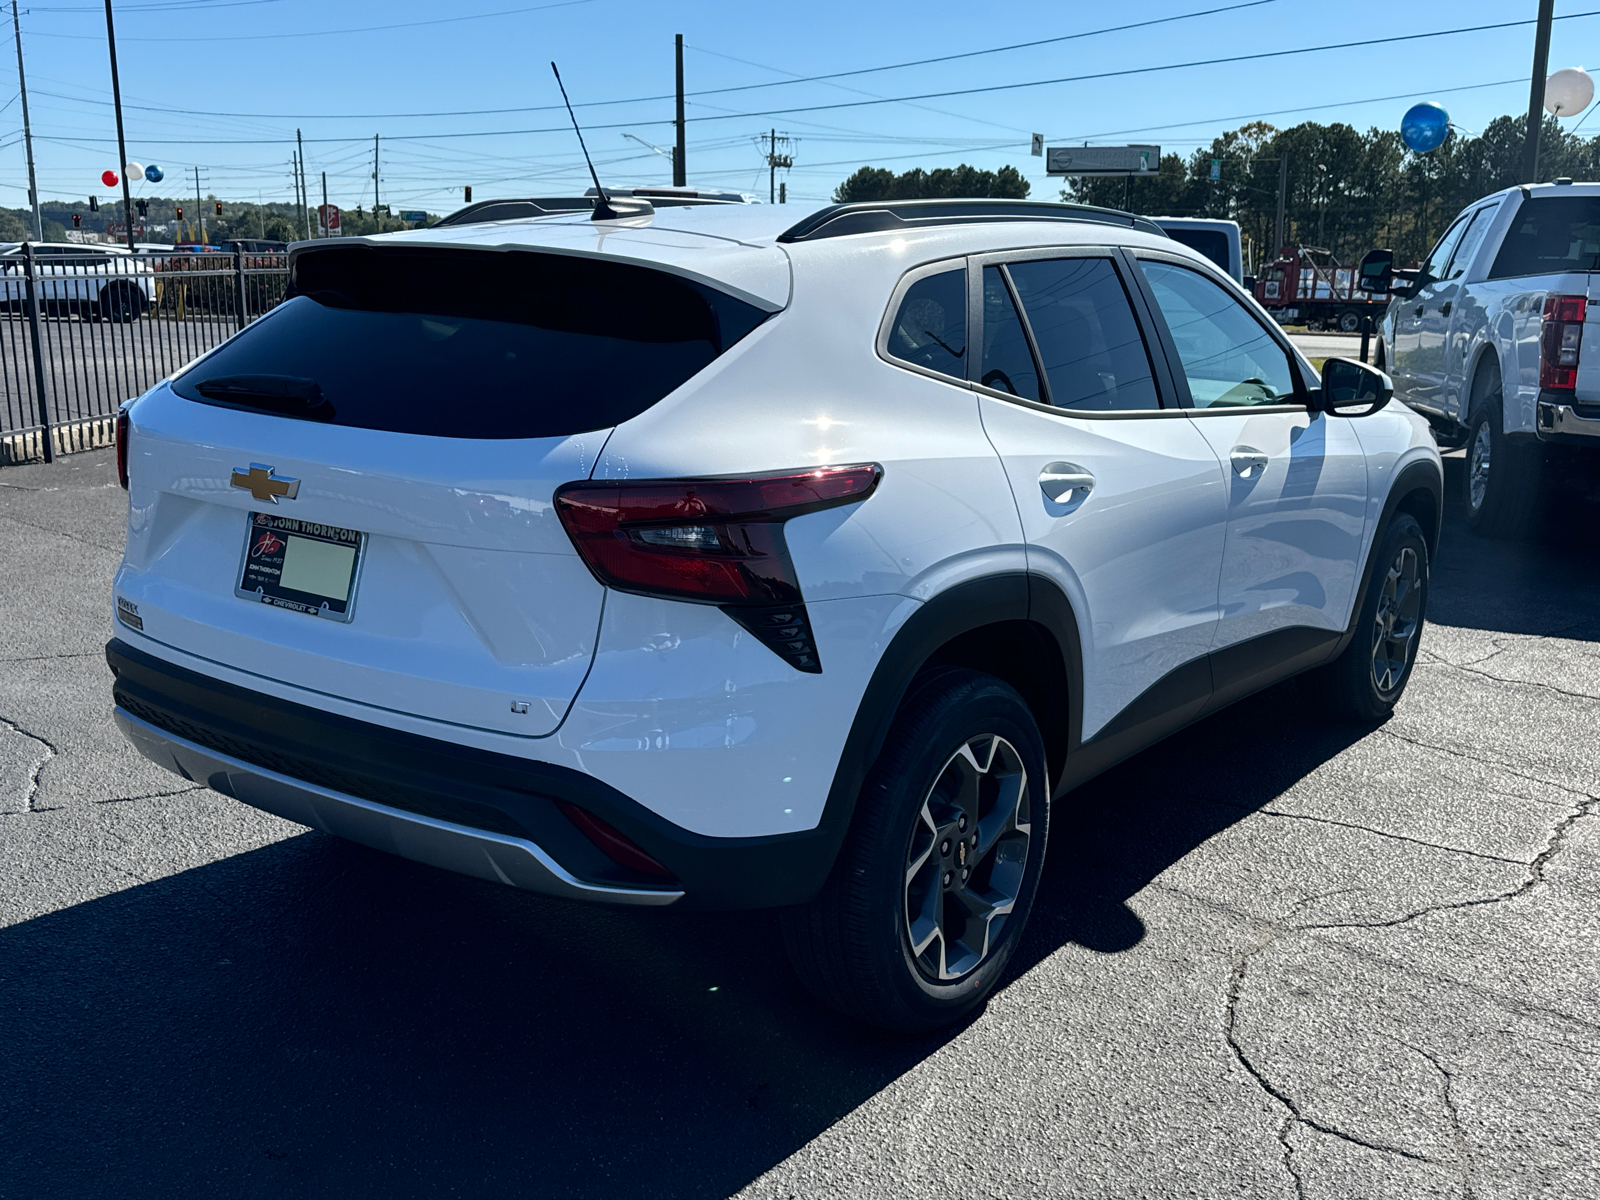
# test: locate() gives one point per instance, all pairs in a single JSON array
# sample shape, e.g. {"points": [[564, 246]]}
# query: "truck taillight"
{"points": [[1560, 339], [124, 429], [712, 541]]}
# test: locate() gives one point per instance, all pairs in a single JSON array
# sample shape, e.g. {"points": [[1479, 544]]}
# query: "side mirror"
{"points": [[1352, 389], [1377, 271]]}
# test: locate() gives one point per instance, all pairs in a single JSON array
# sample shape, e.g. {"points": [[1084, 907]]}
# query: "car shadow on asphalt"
{"points": [[313, 1018]]}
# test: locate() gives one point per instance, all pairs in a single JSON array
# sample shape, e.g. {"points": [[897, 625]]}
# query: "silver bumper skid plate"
{"points": [[495, 857]]}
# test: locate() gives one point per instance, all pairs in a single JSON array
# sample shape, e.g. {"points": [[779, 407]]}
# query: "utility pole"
{"points": [[774, 161], [1279, 232], [122, 146], [680, 173], [305, 200], [1541, 65], [376, 215], [323, 218], [27, 129], [199, 216]]}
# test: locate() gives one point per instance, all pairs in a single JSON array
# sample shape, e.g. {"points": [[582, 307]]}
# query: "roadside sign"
{"points": [[1216, 168], [328, 220], [415, 216], [1038, 145], [1103, 160]]}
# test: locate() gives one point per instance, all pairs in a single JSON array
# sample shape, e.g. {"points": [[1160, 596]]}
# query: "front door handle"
{"points": [[1060, 480], [1444, 309], [1248, 462]]}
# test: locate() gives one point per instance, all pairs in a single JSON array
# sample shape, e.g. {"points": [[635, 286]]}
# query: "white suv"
{"points": [[705, 558]]}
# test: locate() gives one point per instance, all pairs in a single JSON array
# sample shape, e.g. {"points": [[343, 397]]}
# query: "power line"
{"points": [[263, 37]]}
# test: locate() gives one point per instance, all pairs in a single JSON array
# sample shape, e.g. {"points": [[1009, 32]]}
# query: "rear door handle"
{"points": [[1248, 462], [1060, 480]]}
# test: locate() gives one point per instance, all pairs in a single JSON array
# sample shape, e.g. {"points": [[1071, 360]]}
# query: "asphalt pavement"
{"points": [[1270, 958], [1330, 345]]}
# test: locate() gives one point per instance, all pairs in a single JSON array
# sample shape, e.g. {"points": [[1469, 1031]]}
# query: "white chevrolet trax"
{"points": [[703, 557]]}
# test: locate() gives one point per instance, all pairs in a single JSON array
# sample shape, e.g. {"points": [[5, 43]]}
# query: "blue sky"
{"points": [[223, 84]]}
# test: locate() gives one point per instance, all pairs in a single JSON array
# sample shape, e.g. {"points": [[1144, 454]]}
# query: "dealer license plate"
{"points": [[301, 565]]}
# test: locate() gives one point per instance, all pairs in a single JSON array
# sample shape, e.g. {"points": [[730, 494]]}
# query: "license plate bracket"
{"points": [[303, 566]]}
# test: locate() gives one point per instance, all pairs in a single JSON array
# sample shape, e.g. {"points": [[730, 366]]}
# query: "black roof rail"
{"points": [[512, 210], [882, 216]]}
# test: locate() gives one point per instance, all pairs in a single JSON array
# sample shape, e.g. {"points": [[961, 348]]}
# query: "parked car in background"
{"points": [[757, 558], [1493, 340], [1217, 240], [88, 280]]}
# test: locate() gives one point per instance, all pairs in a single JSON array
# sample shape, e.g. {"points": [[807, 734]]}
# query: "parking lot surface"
{"points": [[1270, 958]]}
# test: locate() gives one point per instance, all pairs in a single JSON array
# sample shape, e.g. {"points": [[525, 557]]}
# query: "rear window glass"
{"points": [[1210, 242], [470, 343], [1549, 236], [930, 330]]}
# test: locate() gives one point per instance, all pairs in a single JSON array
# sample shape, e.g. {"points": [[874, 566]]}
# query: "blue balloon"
{"points": [[1424, 127], [154, 173]]}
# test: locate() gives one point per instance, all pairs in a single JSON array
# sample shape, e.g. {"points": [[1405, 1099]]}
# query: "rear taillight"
{"points": [[124, 429], [1560, 339], [713, 541]]}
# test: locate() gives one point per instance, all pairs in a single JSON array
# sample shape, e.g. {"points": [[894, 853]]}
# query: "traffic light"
{"points": [[468, 191], [77, 220], [180, 212], [219, 208], [94, 203], [143, 206]]}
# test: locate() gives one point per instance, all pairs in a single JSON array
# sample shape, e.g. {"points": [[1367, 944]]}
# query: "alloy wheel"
{"points": [[1478, 466], [1395, 625], [967, 856]]}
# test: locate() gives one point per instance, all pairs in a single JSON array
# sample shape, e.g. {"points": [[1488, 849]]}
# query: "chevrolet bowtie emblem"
{"points": [[261, 483]]}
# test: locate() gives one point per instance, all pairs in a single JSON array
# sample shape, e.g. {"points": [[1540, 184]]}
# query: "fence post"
{"points": [[32, 294], [238, 287], [1366, 334]]}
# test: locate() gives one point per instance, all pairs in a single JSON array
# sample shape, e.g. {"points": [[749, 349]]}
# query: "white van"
{"points": [[1217, 240]]}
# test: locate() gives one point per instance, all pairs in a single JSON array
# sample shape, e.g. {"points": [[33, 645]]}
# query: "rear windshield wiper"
{"points": [[290, 395]]}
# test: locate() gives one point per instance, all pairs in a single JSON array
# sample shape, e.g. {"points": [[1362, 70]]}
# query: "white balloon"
{"points": [[1568, 91], [133, 171]]}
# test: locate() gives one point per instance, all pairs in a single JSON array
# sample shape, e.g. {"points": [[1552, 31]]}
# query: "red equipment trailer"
{"points": [[1309, 286]]}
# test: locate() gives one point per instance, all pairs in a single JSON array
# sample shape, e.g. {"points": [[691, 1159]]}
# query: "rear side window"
{"points": [[930, 330], [1550, 236], [470, 343], [1093, 354], [1007, 361]]}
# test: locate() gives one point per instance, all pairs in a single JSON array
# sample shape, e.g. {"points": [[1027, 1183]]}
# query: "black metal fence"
{"points": [[82, 330]]}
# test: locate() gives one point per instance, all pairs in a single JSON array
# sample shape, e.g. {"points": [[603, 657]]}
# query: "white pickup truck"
{"points": [[1492, 339]]}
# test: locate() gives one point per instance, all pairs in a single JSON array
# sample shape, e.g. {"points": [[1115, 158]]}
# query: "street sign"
{"points": [[1216, 168], [328, 220], [1038, 145], [414, 215], [1103, 160]]}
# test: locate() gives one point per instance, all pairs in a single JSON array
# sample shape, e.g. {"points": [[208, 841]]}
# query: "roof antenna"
{"points": [[602, 206]]}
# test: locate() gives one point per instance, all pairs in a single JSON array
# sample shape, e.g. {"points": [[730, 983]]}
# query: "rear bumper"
{"points": [[1559, 422], [498, 858], [494, 816]]}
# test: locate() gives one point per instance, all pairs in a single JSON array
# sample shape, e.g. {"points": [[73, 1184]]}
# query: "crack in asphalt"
{"points": [[1553, 846], [1497, 764], [50, 657], [33, 776], [60, 533], [199, 787], [1458, 1131], [1473, 670], [1295, 1114], [1398, 837]]}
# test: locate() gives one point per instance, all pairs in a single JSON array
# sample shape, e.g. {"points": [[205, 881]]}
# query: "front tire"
{"points": [[936, 880], [1368, 678], [1349, 321]]}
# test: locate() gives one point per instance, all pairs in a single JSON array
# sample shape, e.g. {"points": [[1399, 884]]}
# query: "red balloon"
{"points": [[110, 178]]}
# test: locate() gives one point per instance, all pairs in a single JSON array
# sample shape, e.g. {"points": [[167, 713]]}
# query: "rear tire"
{"points": [[1368, 678], [1503, 477], [935, 881], [1349, 321]]}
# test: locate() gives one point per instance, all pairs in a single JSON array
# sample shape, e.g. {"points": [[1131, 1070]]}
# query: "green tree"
{"points": [[945, 183]]}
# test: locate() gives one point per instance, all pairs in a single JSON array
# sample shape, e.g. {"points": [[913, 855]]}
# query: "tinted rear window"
{"points": [[470, 343], [1549, 236], [1210, 242]]}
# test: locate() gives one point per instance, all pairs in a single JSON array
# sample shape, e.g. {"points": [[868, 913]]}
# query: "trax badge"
{"points": [[261, 483]]}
